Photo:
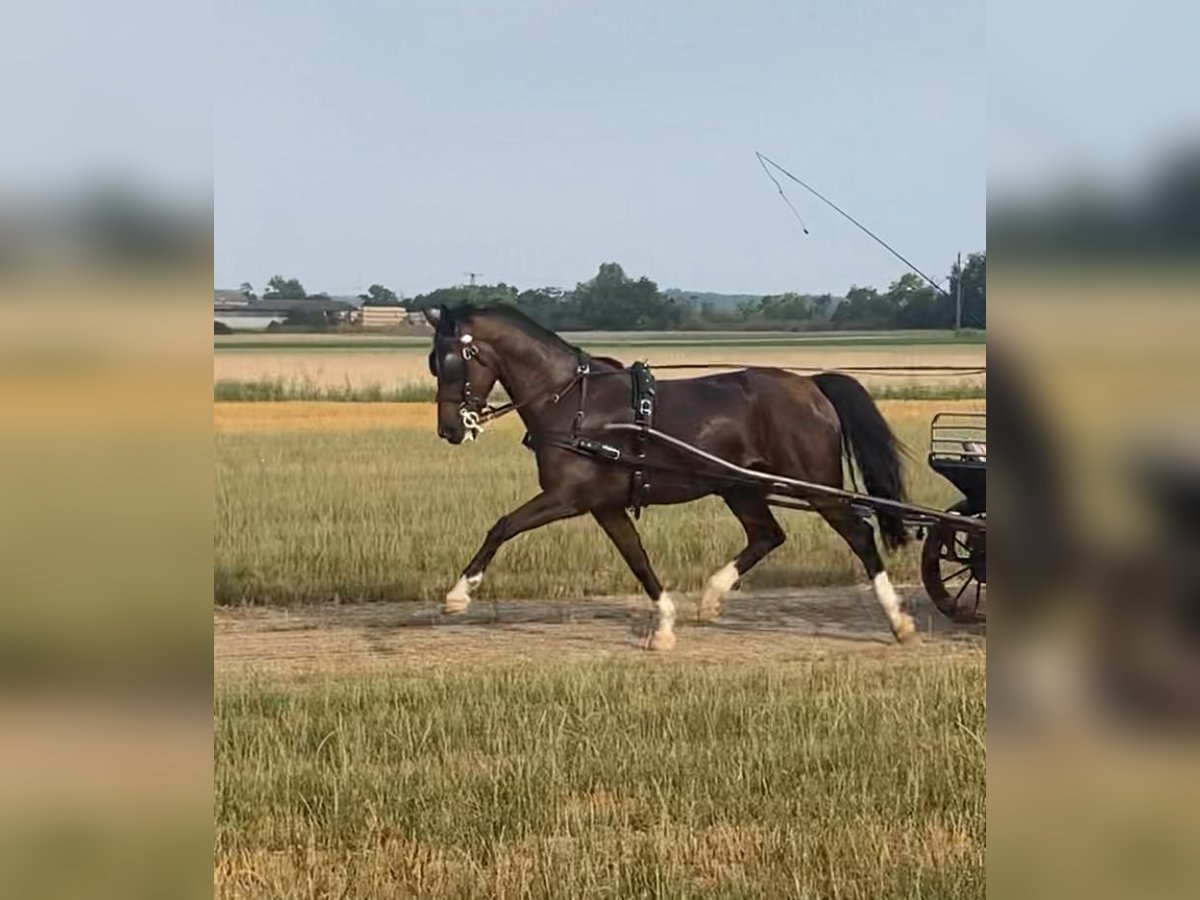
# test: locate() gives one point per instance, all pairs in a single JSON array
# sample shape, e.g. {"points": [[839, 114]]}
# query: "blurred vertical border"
{"points": [[105, 450], [1094, 283]]}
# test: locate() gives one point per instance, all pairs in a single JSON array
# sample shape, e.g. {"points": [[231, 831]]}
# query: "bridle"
{"points": [[452, 366], [476, 412]]}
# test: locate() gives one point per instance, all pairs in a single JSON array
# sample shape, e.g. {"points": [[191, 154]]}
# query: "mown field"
{"points": [[350, 502], [852, 776]]}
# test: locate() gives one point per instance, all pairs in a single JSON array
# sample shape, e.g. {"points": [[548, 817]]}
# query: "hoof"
{"points": [[455, 605], [713, 599], [906, 633], [661, 640], [459, 597]]}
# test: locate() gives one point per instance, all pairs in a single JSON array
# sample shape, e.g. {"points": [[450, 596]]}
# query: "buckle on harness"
{"points": [[471, 423], [606, 450]]}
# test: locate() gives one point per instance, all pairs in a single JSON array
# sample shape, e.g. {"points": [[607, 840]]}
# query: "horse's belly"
{"points": [[666, 489]]}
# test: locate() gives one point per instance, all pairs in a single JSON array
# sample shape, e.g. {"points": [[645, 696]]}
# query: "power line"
{"points": [[764, 160]]}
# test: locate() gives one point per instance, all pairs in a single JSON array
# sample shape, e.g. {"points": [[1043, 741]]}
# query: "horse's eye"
{"points": [[433, 363]]}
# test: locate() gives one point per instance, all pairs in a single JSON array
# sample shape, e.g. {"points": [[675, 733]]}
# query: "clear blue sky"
{"points": [[404, 143]]}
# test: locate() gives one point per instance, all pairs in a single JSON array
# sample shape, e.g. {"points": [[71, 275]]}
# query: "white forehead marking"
{"points": [[466, 339]]}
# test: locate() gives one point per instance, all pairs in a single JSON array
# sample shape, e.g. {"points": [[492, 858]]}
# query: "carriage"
{"points": [[953, 559], [953, 555]]}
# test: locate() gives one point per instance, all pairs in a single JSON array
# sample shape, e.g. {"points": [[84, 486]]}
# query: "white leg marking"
{"points": [[459, 597], [663, 637], [720, 584], [902, 623]]}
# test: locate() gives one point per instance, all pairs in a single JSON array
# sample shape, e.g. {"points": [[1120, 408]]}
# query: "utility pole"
{"points": [[958, 298], [472, 276]]}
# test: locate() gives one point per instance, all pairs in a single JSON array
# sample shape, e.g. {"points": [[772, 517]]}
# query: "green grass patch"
{"points": [[928, 391], [228, 390], [849, 778]]}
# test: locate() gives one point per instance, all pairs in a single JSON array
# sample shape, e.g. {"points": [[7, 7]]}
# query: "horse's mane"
{"points": [[524, 323]]}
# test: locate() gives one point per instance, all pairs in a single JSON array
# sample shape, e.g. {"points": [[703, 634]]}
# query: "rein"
{"points": [[899, 371]]}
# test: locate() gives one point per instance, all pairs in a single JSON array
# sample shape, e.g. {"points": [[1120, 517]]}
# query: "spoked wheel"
{"points": [[953, 570]]}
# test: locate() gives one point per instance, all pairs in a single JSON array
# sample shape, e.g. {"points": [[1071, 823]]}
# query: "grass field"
{"points": [[362, 753], [848, 777], [316, 502]]}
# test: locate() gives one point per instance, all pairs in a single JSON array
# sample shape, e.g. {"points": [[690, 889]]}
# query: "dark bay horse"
{"points": [[759, 418]]}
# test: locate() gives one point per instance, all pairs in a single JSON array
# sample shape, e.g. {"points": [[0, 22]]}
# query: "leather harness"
{"points": [[642, 401], [476, 411], [643, 416]]}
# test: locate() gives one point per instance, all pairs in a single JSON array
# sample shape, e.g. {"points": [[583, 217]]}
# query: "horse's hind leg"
{"points": [[859, 534], [619, 528], [763, 534]]}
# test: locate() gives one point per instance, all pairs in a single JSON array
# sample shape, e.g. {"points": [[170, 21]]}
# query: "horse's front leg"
{"points": [[541, 510]]}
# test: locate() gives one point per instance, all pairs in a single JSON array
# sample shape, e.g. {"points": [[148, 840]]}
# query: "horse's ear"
{"points": [[433, 315]]}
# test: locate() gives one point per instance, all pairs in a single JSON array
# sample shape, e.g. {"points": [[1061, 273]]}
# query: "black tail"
{"points": [[868, 441]]}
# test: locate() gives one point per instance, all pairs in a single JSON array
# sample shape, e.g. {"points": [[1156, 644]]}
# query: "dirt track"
{"points": [[780, 624]]}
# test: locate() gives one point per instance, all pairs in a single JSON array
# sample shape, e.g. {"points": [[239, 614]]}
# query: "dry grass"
{"points": [[233, 418], [336, 501], [849, 778]]}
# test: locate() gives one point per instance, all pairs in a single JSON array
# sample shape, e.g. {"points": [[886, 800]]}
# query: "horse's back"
{"points": [[762, 418]]}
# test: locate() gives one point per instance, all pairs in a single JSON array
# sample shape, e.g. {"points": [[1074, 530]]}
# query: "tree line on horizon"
{"points": [[614, 301]]}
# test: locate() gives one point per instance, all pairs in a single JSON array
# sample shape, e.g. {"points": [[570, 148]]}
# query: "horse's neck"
{"points": [[527, 367]]}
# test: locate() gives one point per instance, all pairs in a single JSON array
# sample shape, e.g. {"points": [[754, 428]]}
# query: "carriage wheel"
{"points": [[953, 571]]}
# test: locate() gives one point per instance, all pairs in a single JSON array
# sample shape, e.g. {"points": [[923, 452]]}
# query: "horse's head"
{"points": [[464, 380]]}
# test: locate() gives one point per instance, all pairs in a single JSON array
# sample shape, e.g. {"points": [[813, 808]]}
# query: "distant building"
{"points": [[383, 316], [235, 310], [226, 297], [391, 316]]}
